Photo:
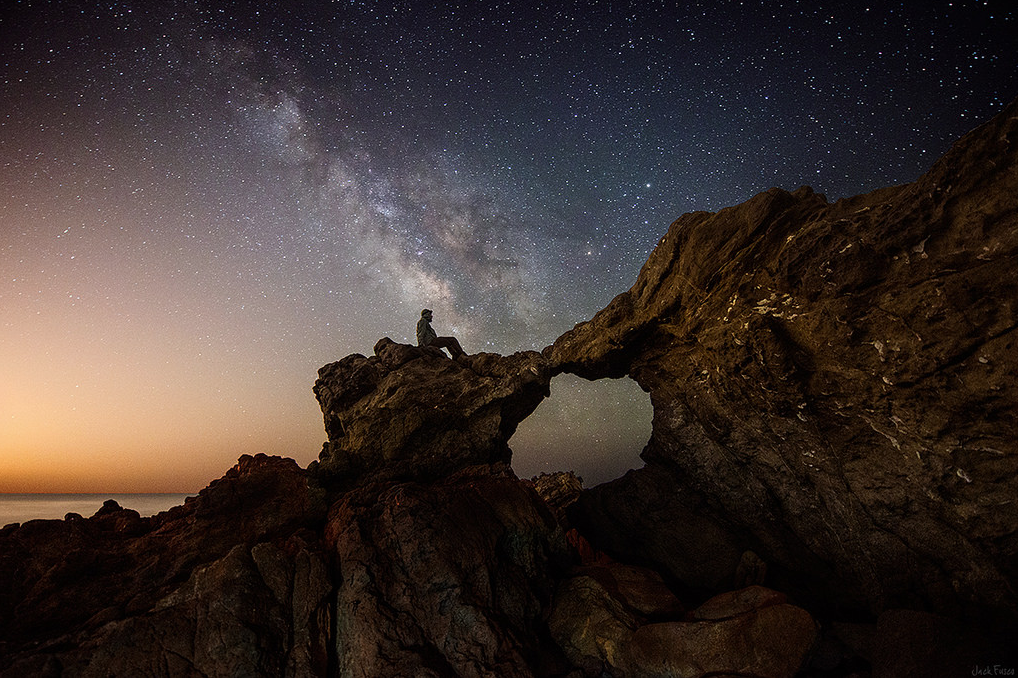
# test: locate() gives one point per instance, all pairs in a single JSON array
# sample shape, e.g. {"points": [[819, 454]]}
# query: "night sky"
{"points": [[203, 203]]}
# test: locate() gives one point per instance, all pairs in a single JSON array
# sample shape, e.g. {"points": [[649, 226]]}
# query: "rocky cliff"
{"points": [[834, 387], [829, 488]]}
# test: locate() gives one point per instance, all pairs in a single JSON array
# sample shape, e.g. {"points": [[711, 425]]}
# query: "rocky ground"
{"points": [[829, 489]]}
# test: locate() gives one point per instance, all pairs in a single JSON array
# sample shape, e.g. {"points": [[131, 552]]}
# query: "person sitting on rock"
{"points": [[426, 336]]}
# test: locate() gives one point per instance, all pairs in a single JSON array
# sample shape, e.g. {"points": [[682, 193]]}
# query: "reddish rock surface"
{"points": [[444, 579], [218, 585]]}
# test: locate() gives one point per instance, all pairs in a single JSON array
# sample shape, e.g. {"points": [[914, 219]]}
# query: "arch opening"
{"points": [[597, 429]]}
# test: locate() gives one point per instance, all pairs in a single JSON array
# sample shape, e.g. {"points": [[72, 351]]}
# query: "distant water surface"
{"points": [[20, 508]]}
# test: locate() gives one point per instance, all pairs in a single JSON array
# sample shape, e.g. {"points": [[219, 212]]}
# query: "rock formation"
{"points": [[560, 490], [411, 412], [258, 576], [834, 391], [834, 387], [444, 579], [233, 582]]}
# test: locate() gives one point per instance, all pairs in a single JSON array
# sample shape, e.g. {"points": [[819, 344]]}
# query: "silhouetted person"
{"points": [[427, 336]]}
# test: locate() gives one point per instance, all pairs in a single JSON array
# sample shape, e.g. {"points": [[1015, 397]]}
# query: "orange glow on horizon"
{"points": [[74, 420]]}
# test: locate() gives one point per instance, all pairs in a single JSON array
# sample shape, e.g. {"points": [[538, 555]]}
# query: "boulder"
{"points": [[641, 590], [591, 625], [749, 632], [773, 641], [735, 603]]}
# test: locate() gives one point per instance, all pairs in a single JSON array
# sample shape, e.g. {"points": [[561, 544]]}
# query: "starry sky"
{"points": [[201, 203]]}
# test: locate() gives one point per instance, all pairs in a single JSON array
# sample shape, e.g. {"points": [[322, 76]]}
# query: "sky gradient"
{"points": [[203, 203]]}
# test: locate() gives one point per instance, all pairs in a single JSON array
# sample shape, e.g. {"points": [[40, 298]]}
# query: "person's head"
{"points": [[426, 313]]}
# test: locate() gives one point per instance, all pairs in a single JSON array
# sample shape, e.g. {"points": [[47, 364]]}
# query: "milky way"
{"points": [[203, 203]]}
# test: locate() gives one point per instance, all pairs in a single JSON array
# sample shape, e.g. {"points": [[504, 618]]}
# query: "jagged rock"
{"points": [[410, 412], [560, 490], [591, 625], [173, 586], [256, 577], [448, 578], [834, 387], [227, 620]]}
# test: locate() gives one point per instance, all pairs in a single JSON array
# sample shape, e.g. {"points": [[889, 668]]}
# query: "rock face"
{"points": [[444, 579], [412, 412], [258, 577], [231, 583], [835, 386], [560, 490]]}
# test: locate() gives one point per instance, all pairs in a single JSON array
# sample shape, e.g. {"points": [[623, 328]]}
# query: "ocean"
{"points": [[20, 508]]}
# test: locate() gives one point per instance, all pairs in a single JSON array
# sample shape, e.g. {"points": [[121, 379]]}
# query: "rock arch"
{"points": [[834, 387], [597, 429]]}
